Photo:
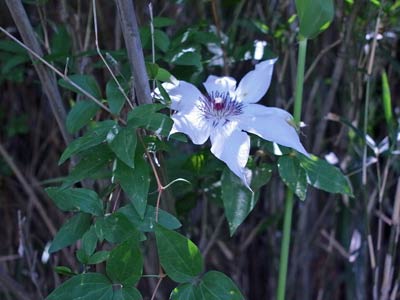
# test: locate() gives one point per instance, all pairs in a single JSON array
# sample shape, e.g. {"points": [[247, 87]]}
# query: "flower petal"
{"points": [[272, 124], [255, 84], [193, 124], [220, 84], [183, 95], [232, 146]]}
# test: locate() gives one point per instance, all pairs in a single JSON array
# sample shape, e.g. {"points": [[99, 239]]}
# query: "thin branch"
{"points": [[102, 57], [55, 70], [134, 48], [47, 79], [28, 190]]}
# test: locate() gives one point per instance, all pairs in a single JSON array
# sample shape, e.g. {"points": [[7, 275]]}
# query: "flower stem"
{"points": [[283, 262], [298, 101], [289, 201]]}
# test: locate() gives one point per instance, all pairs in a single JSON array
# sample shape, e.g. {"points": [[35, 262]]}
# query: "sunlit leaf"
{"points": [[212, 286], [314, 16], [322, 175], [293, 175], [179, 256]]}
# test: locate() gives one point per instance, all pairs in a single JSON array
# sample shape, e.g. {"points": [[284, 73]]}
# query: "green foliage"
{"points": [[293, 175], [93, 137], [322, 175], [314, 16], [238, 200], [115, 97], [86, 82], [93, 286], [123, 143], [71, 231], [125, 263], [135, 182], [146, 116], [80, 115], [76, 199], [212, 286], [115, 228], [179, 256], [148, 222]]}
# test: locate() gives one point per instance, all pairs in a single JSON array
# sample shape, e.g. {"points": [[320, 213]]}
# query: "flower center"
{"points": [[219, 106]]}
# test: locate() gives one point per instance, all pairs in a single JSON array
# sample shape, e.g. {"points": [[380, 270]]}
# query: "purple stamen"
{"points": [[219, 106]]}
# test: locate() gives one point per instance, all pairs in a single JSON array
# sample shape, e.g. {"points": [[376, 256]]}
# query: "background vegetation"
{"points": [[342, 247]]}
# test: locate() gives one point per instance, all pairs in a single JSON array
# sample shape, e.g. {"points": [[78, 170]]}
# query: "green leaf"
{"points": [[98, 257], [12, 47], [80, 115], [179, 256], [135, 182], [387, 101], [71, 199], [323, 176], [145, 116], [163, 22], [71, 231], [62, 270], [93, 286], [125, 264], [115, 98], [86, 82], [145, 110], [161, 40], [115, 228], [147, 223], [293, 175], [92, 138], [13, 62], [89, 241], [314, 16], [127, 293], [87, 286], [61, 42], [82, 256], [213, 286], [123, 144], [93, 161], [187, 57], [163, 75], [238, 200], [152, 70]]}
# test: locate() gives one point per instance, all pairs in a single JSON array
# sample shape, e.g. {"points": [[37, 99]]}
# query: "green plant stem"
{"points": [[284, 259], [289, 201], [298, 101]]}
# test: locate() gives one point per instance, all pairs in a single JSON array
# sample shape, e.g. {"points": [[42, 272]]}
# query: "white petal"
{"points": [[192, 124], [220, 84], [255, 84], [232, 146], [272, 124], [183, 95]]}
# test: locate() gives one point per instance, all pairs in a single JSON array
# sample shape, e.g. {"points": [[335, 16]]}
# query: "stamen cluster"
{"points": [[219, 106]]}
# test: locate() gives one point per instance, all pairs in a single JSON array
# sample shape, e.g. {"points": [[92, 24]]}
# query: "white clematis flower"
{"points": [[226, 113]]}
